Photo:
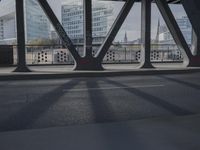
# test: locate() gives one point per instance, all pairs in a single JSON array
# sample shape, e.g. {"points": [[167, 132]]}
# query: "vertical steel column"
{"points": [[21, 48], [195, 49], [146, 34], [175, 30], [87, 4], [192, 10], [88, 62], [114, 30], [195, 44]]}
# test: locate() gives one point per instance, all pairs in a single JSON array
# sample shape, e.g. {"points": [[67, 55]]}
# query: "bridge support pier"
{"points": [[88, 64]]}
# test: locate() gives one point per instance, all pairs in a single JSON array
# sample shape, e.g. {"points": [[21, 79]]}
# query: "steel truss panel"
{"points": [[60, 30], [88, 62], [114, 29], [174, 29]]}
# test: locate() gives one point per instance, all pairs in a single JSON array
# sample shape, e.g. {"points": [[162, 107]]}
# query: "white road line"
{"points": [[112, 88]]}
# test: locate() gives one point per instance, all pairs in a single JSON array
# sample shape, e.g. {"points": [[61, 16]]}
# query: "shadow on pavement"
{"points": [[99, 107], [116, 138], [174, 109], [26, 116], [192, 85]]}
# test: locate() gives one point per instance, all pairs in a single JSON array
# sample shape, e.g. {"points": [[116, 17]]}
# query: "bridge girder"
{"points": [[89, 62]]}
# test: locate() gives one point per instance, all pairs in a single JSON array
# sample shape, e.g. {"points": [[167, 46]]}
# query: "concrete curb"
{"points": [[75, 74]]}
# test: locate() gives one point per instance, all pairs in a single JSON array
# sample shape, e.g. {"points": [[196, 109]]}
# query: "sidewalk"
{"points": [[66, 71], [174, 133]]}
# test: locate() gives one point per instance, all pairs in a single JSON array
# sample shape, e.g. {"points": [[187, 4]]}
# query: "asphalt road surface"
{"points": [[32, 104]]}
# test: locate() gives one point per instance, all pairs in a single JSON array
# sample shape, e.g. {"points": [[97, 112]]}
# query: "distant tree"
{"points": [[44, 42]]}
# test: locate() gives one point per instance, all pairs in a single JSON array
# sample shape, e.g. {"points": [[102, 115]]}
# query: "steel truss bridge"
{"points": [[90, 62]]}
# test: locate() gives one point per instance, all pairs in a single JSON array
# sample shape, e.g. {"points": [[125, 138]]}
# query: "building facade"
{"points": [[165, 36], [7, 21], [36, 22], [72, 21]]}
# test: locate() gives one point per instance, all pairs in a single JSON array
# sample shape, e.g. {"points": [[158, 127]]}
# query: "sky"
{"points": [[132, 24]]}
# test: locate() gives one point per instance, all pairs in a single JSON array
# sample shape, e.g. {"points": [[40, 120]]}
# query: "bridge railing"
{"points": [[127, 53]]}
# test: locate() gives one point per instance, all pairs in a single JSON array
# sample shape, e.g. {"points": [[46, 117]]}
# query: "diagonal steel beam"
{"points": [[60, 30], [174, 29], [87, 4], [114, 30]]}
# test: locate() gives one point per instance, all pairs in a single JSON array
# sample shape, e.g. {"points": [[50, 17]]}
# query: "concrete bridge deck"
{"points": [[176, 133], [104, 113]]}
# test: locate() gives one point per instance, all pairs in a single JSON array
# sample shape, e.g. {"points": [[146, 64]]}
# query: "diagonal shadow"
{"points": [[26, 116], [99, 104], [153, 99], [115, 136], [192, 85]]}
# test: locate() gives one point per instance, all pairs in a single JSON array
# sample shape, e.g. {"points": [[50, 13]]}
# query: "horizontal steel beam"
{"points": [[169, 1]]}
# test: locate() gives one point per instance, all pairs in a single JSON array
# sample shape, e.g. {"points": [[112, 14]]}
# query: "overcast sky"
{"points": [[133, 21]]}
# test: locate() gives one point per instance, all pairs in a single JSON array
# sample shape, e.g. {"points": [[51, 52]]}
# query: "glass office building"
{"points": [[36, 23], [72, 21], [7, 21], [165, 36]]}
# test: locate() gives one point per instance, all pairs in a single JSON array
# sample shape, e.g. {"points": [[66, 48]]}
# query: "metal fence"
{"points": [[56, 54]]}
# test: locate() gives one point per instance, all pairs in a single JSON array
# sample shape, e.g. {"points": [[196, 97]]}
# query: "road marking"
{"points": [[112, 88]]}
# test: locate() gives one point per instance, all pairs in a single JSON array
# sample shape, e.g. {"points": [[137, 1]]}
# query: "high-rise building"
{"points": [[185, 26], [36, 22], [72, 21], [7, 20]]}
